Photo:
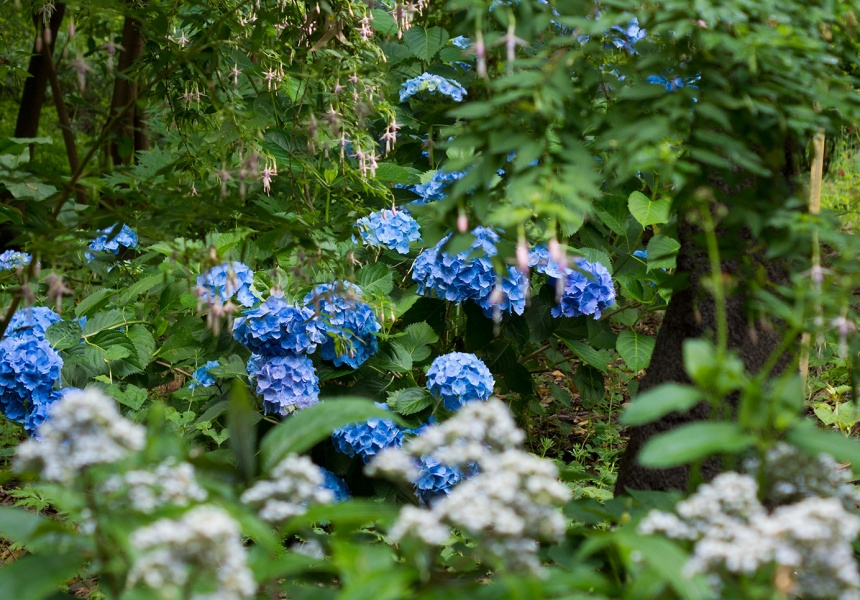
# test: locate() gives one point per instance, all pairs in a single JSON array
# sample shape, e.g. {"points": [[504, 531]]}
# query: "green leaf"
{"points": [[634, 349], [662, 251], [660, 401], [242, 420], [383, 22], [417, 338], [409, 401], [144, 344], [613, 213], [19, 525], [391, 172], [692, 442], [117, 352], [597, 359], [648, 212], [394, 357], [35, 577], [232, 366], [810, 439], [590, 384], [139, 287], [31, 190], [375, 279], [425, 43], [302, 430], [132, 397], [93, 301], [63, 334], [103, 321]]}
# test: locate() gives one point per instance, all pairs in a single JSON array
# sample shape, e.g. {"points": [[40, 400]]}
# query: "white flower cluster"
{"points": [[791, 475], [84, 428], [202, 550], [732, 532], [170, 483], [508, 505], [296, 482]]}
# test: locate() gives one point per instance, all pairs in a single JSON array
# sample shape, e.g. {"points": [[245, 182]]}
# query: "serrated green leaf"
{"points": [[392, 173], [590, 383], [144, 344], [410, 400], [375, 279], [417, 338], [139, 287], [63, 334], [93, 301], [383, 22], [394, 357], [634, 349], [587, 354], [103, 321], [132, 397], [425, 43], [613, 213], [302, 430], [117, 352], [694, 441], [649, 212], [660, 401], [662, 251], [232, 366]]}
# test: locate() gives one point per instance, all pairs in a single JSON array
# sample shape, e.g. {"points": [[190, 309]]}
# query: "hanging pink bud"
{"points": [[523, 256], [462, 222]]}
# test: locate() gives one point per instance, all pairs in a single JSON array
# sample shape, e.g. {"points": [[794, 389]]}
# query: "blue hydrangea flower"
{"points": [[286, 383], [349, 323], [629, 35], [29, 368], [201, 376], [459, 377], [40, 409], [223, 282], [673, 84], [539, 258], [435, 480], [460, 277], [391, 229], [32, 321], [643, 254], [277, 328], [336, 485], [461, 41], [436, 187], [127, 238], [432, 84], [12, 259], [587, 291], [369, 438]]}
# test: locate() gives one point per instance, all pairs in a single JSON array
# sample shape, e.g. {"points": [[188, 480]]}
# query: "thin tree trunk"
{"points": [[131, 126]]}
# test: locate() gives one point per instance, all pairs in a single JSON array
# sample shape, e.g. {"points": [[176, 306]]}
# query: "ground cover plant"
{"points": [[353, 300]]}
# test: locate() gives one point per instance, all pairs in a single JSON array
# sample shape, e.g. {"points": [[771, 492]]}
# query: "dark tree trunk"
{"points": [[690, 314], [33, 97], [129, 129]]}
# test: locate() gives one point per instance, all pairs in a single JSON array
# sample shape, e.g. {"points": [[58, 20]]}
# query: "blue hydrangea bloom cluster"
{"points": [[29, 368], [629, 35], [393, 229], [221, 283], [673, 84], [432, 84], [369, 438], [286, 383], [32, 321], [349, 323], [12, 259], [436, 187], [459, 278], [643, 254], [459, 377], [461, 41], [435, 480], [336, 485], [201, 377], [588, 290], [127, 238], [276, 328]]}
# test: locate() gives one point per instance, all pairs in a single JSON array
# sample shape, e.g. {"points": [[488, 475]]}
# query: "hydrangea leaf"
{"points": [[144, 344], [139, 287], [63, 334], [597, 359], [425, 43], [93, 301], [391, 172], [410, 400], [306, 428], [416, 340], [132, 397], [660, 401], [394, 357], [613, 213], [649, 212], [376, 279], [590, 383], [103, 321], [662, 251], [695, 441], [635, 349]]}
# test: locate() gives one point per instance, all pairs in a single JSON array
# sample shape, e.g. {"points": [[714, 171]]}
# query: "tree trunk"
{"points": [[129, 136]]}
